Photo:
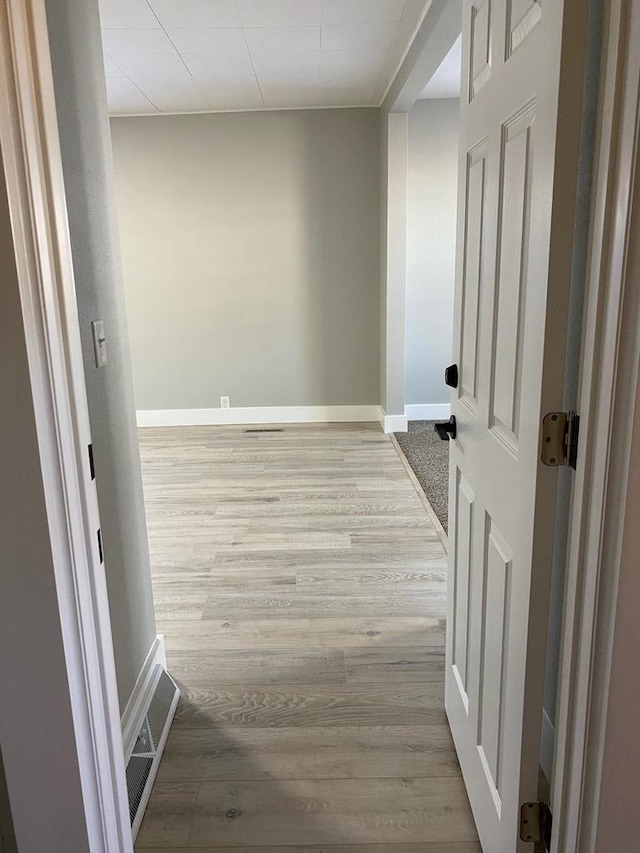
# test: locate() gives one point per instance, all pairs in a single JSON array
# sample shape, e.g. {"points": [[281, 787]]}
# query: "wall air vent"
{"points": [[266, 429], [143, 762]]}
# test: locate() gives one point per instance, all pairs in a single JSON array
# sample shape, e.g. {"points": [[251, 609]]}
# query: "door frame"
{"points": [[439, 27], [32, 165], [29, 133], [610, 353]]}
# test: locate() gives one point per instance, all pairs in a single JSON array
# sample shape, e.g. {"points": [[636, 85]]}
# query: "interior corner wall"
{"points": [[394, 172], [384, 196], [251, 257], [431, 249], [76, 55]]}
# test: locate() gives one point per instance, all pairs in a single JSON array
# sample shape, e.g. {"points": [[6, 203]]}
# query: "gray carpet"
{"points": [[428, 456]]}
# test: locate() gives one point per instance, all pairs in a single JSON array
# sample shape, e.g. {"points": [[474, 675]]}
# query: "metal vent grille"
{"points": [[160, 706], [143, 762], [279, 429], [138, 770], [143, 745]]}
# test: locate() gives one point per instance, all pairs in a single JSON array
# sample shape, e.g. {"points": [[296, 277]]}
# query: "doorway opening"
{"points": [[432, 195], [366, 538]]}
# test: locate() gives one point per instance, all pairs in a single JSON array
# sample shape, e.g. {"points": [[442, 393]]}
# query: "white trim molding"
{"points": [[427, 411], [258, 415], [138, 704], [393, 423]]}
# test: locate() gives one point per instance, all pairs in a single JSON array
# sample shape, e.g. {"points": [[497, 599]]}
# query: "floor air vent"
{"points": [[147, 750], [138, 771], [267, 429]]}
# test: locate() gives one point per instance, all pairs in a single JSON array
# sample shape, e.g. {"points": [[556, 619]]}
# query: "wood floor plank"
{"points": [[348, 752], [169, 814], [190, 609], [204, 583], [309, 522], [399, 558], [323, 705], [304, 606], [251, 666], [284, 633], [332, 812], [325, 581], [187, 541], [379, 508], [393, 665]]}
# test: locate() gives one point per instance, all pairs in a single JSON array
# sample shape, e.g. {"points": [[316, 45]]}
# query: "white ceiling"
{"points": [[445, 83], [167, 56]]}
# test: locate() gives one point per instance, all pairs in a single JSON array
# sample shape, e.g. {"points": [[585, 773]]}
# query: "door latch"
{"points": [[560, 439], [451, 376]]}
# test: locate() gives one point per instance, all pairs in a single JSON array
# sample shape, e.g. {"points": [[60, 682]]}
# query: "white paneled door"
{"points": [[520, 132]]}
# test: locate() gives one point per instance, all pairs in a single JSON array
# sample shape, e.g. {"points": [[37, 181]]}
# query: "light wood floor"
{"points": [[300, 585]]}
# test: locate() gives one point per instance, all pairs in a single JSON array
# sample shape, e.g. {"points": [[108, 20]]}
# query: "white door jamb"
{"points": [[610, 355]]}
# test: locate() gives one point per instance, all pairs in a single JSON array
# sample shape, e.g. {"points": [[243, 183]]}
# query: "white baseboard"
{"points": [[393, 423], [138, 704], [428, 412], [258, 415], [547, 745]]}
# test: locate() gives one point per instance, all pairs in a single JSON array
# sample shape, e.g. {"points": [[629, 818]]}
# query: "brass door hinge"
{"points": [[560, 439], [535, 823]]}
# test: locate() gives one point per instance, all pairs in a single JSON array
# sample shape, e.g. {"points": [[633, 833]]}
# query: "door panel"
{"points": [[518, 167], [472, 275], [514, 205], [496, 577], [461, 590], [480, 45], [522, 16]]}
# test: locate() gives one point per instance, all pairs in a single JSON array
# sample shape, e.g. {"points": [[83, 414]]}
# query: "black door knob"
{"points": [[451, 376], [447, 429]]}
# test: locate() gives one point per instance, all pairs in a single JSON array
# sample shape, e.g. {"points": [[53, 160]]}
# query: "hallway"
{"points": [[301, 589]]}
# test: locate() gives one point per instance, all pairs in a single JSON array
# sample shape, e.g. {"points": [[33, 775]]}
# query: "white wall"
{"points": [[251, 256], [431, 245]]}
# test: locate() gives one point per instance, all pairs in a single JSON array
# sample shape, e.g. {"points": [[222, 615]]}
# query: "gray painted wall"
{"points": [[74, 32], [431, 248], [251, 257]]}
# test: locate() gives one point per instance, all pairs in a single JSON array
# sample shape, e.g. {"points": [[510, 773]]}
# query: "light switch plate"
{"points": [[99, 342]]}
